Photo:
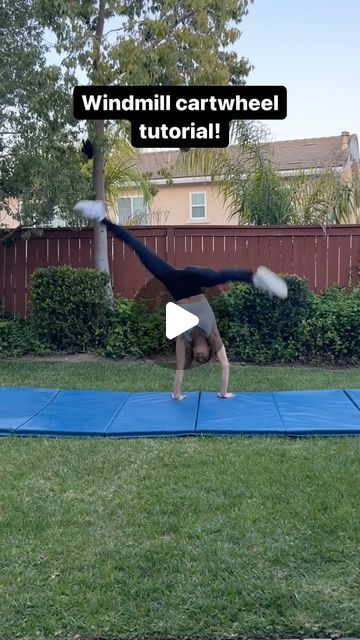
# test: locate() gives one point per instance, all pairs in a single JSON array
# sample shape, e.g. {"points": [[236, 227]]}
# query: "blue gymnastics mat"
{"points": [[58, 413]]}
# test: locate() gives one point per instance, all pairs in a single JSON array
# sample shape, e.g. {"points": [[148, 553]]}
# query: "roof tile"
{"points": [[286, 155]]}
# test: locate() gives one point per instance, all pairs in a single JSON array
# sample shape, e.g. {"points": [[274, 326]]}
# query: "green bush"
{"points": [[255, 329], [137, 329], [261, 330], [332, 329], [70, 311], [121, 339], [69, 308], [149, 328], [17, 339]]}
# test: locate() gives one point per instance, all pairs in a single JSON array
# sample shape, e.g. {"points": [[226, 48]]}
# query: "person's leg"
{"points": [[95, 210], [177, 281], [157, 266], [209, 277], [262, 278]]}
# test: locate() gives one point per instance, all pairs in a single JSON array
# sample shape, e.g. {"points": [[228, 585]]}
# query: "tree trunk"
{"points": [[101, 260]]}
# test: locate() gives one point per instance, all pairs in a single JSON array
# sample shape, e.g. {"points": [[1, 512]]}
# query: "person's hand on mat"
{"points": [[224, 396], [177, 397]]}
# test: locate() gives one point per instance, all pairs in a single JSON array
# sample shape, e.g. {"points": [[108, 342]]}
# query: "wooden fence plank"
{"points": [[20, 284], [9, 280], [309, 260], [355, 259], [324, 256], [321, 263], [344, 260], [286, 265], [298, 255], [333, 259]]}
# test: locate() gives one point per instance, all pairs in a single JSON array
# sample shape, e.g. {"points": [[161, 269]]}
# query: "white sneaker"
{"points": [[265, 279], [91, 209]]}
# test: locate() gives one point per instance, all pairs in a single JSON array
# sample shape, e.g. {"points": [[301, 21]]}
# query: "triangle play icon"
{"points": [[178, 320]]}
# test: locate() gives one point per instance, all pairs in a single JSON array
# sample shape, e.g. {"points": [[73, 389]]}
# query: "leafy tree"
{"points": [[180, 43], [144, 42], [38, 183], [22, 56], [42, 169], [40, 162]]}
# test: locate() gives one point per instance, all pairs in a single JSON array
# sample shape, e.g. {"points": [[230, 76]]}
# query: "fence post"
{"points": [[170, 242]]}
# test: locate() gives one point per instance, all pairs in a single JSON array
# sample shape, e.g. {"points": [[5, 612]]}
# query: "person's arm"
{"points": [[225, 370], [218, 347], [180, 366]]}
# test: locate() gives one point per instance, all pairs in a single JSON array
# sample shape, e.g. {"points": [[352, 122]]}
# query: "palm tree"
{"points": [[122, 173], [324, 197], [254, 193], [261, 198], [246, 180]]}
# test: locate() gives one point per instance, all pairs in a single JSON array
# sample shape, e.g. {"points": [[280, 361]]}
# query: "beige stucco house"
{"points": [[6, 219], [192, 199], [9, 215]]}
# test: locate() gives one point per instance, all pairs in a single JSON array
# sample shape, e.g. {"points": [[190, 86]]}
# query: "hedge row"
{"points": [[69, 308], [17, 338], [70, 311]]}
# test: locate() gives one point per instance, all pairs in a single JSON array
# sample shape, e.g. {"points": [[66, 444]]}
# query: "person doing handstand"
{"points": [[185, 286]]}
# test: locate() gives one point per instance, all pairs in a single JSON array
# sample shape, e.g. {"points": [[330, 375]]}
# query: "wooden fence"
{"points": [[323, 256]]}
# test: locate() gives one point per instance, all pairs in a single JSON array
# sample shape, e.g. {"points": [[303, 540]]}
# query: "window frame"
{"points": [[132, 196], [191, 218]]}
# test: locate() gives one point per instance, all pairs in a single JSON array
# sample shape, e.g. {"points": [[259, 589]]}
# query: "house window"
{"points": [[197, 206], [132, 207], [57, 221]]}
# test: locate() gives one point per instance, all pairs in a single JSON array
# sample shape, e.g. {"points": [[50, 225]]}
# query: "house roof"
{"points": [[286, 155]]}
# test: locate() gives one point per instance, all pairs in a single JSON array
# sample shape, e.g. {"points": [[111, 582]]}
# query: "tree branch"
{"points": [[177, 22], [114, 31], [185, 16], [10, 234]]}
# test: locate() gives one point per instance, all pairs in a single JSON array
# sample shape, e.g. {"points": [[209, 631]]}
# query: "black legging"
{"points": [[181, 283]]}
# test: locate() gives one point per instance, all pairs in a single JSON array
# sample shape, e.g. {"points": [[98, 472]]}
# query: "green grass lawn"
{"points": [[117, 375], [205, 537]]}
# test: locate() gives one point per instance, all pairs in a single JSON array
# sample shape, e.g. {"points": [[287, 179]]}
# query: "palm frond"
{"points": [[122, 172], [254, 193]]}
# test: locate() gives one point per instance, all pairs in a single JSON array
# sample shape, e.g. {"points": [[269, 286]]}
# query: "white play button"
{"points": [[178, 320]]}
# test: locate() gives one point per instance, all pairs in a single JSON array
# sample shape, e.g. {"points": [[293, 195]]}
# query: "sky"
{"points": [[312, 47]]}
